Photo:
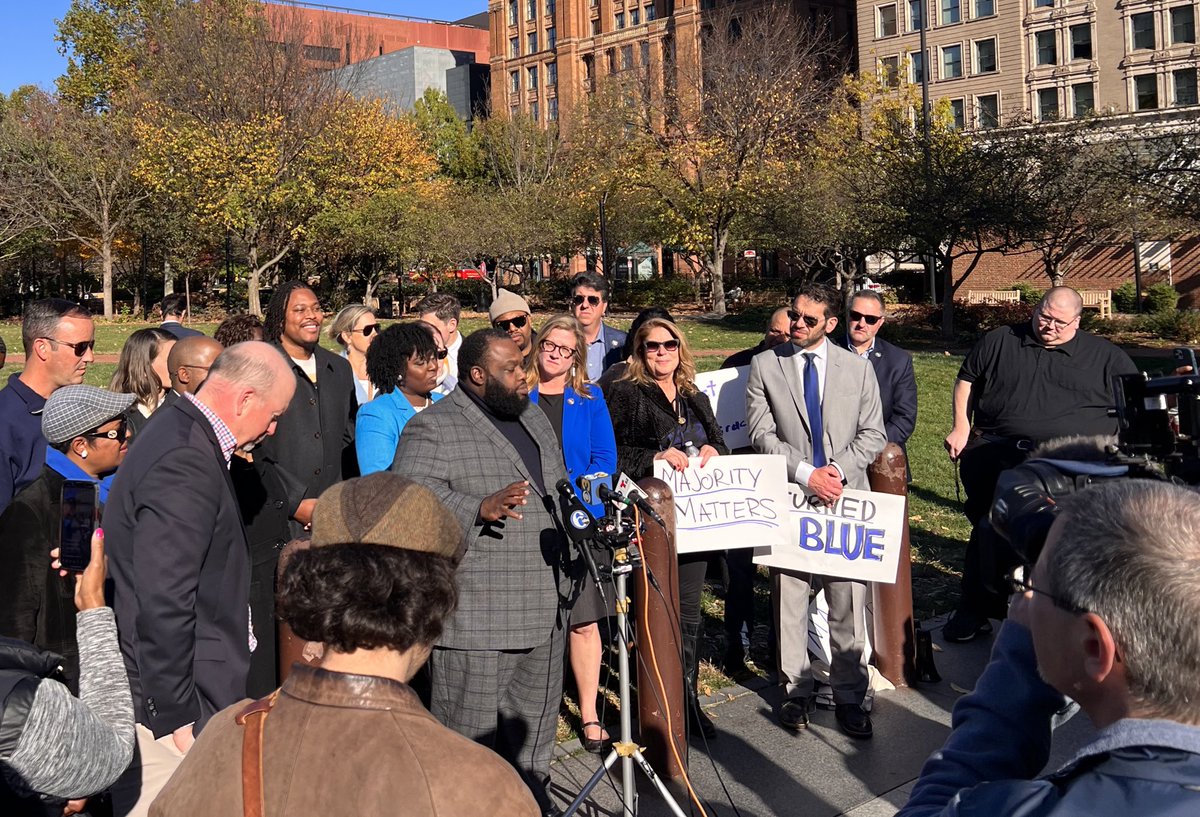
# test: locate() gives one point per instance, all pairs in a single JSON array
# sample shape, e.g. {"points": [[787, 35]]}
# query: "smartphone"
{"points": [[77, 524], [1185, 357]]}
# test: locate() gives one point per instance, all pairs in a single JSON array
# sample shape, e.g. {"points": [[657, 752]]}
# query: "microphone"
{"points": [[628, 494], [581, 525]]}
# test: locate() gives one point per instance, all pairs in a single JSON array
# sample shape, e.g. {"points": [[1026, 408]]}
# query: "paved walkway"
{"points": [[818, 772]]}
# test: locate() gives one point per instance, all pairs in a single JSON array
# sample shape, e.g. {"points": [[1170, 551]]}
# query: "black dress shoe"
{"points": [[794, 712], [594, 745], [964, 626], [854, 720], [698, 721]]}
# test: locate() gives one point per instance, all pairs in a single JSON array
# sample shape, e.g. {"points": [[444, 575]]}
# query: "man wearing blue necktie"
{"points": [[818, 405]]}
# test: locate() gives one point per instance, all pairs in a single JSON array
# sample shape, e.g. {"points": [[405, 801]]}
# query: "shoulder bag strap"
{"points": [[254, 718]]}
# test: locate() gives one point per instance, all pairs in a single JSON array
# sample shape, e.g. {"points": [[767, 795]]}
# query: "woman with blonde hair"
{"points": [[557, 378], [659, 414], [142, 371], [356, 328]]}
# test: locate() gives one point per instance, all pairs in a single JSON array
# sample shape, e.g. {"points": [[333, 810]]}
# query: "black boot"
{"points": [[698, 721]]}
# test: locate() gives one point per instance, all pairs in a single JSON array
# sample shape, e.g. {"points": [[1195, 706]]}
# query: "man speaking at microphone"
{"points": [[493, 458]]}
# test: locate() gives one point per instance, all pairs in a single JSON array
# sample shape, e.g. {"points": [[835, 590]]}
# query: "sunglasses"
{"points": [[870, 320], [368, 330], [809, 320], [119, 433], [441, 354], [671, 345], [80, 349], [562, 351], [592, 300], [519, 322]]}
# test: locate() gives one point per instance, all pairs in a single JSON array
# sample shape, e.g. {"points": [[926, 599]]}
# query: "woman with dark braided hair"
{"points": [[313, 444]]}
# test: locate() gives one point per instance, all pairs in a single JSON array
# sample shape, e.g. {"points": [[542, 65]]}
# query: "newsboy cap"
{"points": [[75, 410], [507, 302], [386, 509]]}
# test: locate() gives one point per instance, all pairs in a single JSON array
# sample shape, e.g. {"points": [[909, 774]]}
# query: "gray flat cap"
{"points": [[74, 410]]}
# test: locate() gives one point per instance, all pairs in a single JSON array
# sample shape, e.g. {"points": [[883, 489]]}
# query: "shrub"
{"points": [[665, 292], [1029, 293], [980, 318], [1161, 297], [1125, 297], [1181, 326]]}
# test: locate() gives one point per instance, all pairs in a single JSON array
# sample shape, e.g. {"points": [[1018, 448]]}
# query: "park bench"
{"points": [[993, 296], [1100, 299]]}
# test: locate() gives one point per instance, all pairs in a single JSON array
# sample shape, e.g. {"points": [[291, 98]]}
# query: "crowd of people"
{"points": [[415, 475]]}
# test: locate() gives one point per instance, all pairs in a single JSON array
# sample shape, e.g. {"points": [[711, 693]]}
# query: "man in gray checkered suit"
{"points": [[493, 458]]}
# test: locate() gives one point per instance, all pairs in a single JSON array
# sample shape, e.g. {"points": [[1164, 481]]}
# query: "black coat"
{"points": [[643, 418], [180, 570], [313, 444], [36, 604]]}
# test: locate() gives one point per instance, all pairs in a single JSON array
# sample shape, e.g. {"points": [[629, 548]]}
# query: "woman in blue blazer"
{"points": [[403, 365], [557, 376]]}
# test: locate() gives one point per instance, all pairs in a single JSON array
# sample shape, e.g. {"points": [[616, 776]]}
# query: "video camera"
{"points": [[1158, 437]]}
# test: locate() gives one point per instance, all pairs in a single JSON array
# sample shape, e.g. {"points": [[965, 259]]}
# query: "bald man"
{"points": [[1020, 386], [189, 362]]}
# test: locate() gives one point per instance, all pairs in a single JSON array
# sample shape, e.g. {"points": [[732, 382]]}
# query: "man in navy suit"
{"points": [[589, 303], [893, 366]]}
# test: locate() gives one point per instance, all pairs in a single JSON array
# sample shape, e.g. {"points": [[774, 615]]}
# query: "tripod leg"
{"points": [[658, 784], [593, 781]]}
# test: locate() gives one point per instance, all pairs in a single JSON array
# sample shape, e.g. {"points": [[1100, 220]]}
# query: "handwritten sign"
{"points": [[735, 501], [858, 537], [726, 389]]}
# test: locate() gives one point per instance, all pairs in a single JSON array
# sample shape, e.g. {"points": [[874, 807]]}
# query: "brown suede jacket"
{"points": [[346, 744]]}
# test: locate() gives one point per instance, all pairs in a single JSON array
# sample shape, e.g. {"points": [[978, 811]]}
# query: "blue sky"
{"points": [[29, 55]]}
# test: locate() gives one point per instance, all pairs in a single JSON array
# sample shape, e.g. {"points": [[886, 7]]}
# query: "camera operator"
{"points": [[1111, 617], [54, 746]]}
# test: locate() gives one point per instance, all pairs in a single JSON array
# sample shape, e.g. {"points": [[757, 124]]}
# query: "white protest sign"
{"points": [[858, 537], [735, 501], [726, 390]]}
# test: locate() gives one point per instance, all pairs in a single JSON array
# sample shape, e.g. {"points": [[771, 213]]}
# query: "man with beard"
{"points": [[178, 561], [497, 669]]}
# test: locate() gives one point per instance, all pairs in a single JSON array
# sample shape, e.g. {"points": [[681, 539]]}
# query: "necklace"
{"points": [[680, 410]]}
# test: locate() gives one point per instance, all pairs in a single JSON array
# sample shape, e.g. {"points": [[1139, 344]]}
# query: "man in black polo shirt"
{"points": [[1019, 386]]}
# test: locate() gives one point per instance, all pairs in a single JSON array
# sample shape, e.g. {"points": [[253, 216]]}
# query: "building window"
{"points": [[551, 74], [1043, 4], [514, 110], [886, 19], [514, 82], [1185, 86], [916, 61], [985, 8], [619, 20], [1145, 92], [552, 109], [645, 47], [950, 12], [589, 68], [914, 14], [512, 12], [595, 28], [651, 14], [551, 37], [531, 42], [610, 57], [1083, 99], [1142, 26], [952, 62], [1183, 24], [531, 9], [985, 56], [988, 111], [958, 111], [531, 75], [1047, 51], [550, 8], [533, 111], [514, 47], [635, 16], [626, 57], [1047, 101], [889, 71], [1081, 42]]}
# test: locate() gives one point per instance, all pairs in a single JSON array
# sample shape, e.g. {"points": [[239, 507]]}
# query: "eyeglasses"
{"points": [[519, 322], [80, 349], [441, 354], [367, 331], [652, 346], [119, 433], [1019, 581], [592, 300], [809, 320], [1046, 320], [870, 320], [562, 351], [194, 366], [315, 309]]}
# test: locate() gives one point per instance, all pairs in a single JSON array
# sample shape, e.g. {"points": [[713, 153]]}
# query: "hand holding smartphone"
{"points": [[77, 521]]}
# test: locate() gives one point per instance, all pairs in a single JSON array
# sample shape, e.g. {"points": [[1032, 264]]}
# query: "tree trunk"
{"points": [[947, 297], [252, 300], [106, 271], [168, 279], [720, 239]]}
